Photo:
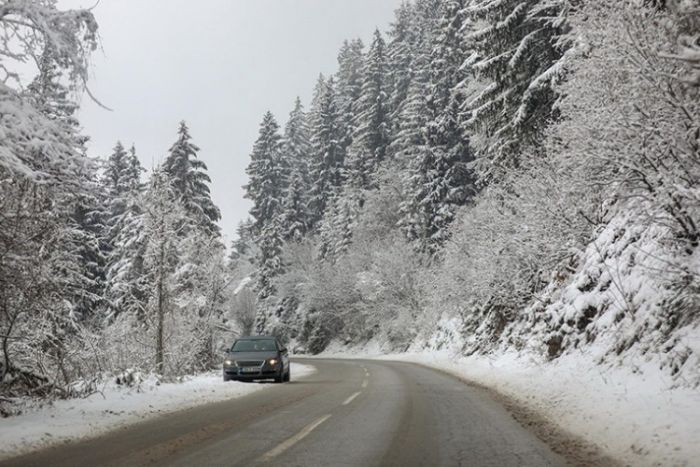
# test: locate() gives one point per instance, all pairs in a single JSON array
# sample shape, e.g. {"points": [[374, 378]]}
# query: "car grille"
{"points": [[250, 363]]}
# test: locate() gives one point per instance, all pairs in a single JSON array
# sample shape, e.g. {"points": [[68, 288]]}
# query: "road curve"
{"points": [[348, 413]]}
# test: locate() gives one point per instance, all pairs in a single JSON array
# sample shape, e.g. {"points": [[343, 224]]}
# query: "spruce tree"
{"points": [[518, 54], [191, 182], [327, 168], [439, 177], [266, 189], [296, 151], [401, 51], [266, 174], [84, 216], [371, 135], [269, 260], [124, 233], [349, 86]]}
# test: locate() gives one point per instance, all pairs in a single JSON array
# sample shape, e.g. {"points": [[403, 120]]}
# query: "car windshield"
{"points": [[254, 345]]}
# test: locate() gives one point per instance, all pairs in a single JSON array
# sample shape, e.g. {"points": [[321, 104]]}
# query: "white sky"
{"points": [[219, 65]]}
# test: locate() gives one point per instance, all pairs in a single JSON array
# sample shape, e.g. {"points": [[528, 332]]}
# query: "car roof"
{"points": [[250, 338]]}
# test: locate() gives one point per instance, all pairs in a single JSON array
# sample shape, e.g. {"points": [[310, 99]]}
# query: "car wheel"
{"points": [[288, 376], [280, 377], [226, 377]]}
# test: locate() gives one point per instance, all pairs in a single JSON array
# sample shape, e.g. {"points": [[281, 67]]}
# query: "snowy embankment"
{"points": [[609, 352], [632, 417], [115, 407]]}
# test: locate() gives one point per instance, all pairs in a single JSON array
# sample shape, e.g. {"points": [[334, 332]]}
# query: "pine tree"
{"points": [[124, 237], [409, 137], [120, 180], [401, 51], [371, 135], [439, 177], [190, 181], [266, 189], [295, 215], [84, 280], [348, 88], [126, 289], [269, 259], [266, 175], [296, 151], [518, 54], [413, 34], [243, 244], [327, 169]]}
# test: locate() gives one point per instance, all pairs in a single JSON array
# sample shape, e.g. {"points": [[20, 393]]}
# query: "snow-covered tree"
{"points": [[266, 174], [266, 189], [44, 180], [348, 87], [439, 178], [517, 52], [296, 150], [191, 181], [327, 168], [337, 227], [163, 228], [371, 124]]}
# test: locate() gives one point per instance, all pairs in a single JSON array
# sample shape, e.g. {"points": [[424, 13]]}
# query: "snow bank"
{"points": [[631, 415], [115, 407]]}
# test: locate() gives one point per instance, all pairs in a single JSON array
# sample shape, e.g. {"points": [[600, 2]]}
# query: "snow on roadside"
{"points": [[631, 416], [115, 407]]}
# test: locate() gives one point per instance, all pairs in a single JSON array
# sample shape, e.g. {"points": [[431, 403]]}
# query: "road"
{"points": [[348, 413]]}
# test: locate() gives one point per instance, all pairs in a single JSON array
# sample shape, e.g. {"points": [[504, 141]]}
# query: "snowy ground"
{"points": [[631, 416], [116, 407]]}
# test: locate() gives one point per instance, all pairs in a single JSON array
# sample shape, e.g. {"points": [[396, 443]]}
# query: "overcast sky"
{"points": [[219, 65]]}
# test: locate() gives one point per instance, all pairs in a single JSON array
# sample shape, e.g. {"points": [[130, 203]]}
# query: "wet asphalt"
{"points": [[347, 413]]}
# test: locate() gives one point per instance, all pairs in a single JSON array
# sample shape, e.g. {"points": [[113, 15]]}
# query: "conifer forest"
{"points": [[487, 176]]}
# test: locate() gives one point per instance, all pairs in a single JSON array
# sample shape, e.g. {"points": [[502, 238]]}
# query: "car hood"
{"points": [[251, 355]]}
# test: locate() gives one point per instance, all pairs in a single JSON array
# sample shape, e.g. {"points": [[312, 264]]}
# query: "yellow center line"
{"points": [[294, 439]]}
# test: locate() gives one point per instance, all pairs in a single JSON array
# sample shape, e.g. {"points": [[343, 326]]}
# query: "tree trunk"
{"points": [[161, 309]]}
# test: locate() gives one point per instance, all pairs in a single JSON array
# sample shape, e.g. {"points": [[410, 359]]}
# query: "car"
{"points": [[257, 357]]}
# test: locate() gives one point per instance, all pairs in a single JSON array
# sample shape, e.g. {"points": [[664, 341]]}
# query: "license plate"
{"points": [[249, 370]]}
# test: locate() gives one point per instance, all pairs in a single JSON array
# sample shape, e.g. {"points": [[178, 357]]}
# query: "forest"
{"points": [[486, 174]]}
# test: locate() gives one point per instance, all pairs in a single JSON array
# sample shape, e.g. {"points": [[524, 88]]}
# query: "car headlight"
{"points": [[273, 361], [229, 362]]}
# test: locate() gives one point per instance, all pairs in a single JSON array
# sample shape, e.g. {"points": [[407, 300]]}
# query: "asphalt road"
{"points": [[348, 413]]}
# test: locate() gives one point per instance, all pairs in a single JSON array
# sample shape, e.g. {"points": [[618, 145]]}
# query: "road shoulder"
{"points": [[115, 408]]}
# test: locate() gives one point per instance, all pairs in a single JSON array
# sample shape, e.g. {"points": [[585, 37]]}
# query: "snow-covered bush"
{"points": [[508, 245]]}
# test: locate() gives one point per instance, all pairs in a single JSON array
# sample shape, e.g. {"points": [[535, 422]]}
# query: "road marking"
{"points": [[352, 398], [294, 439], [365, 383]]}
